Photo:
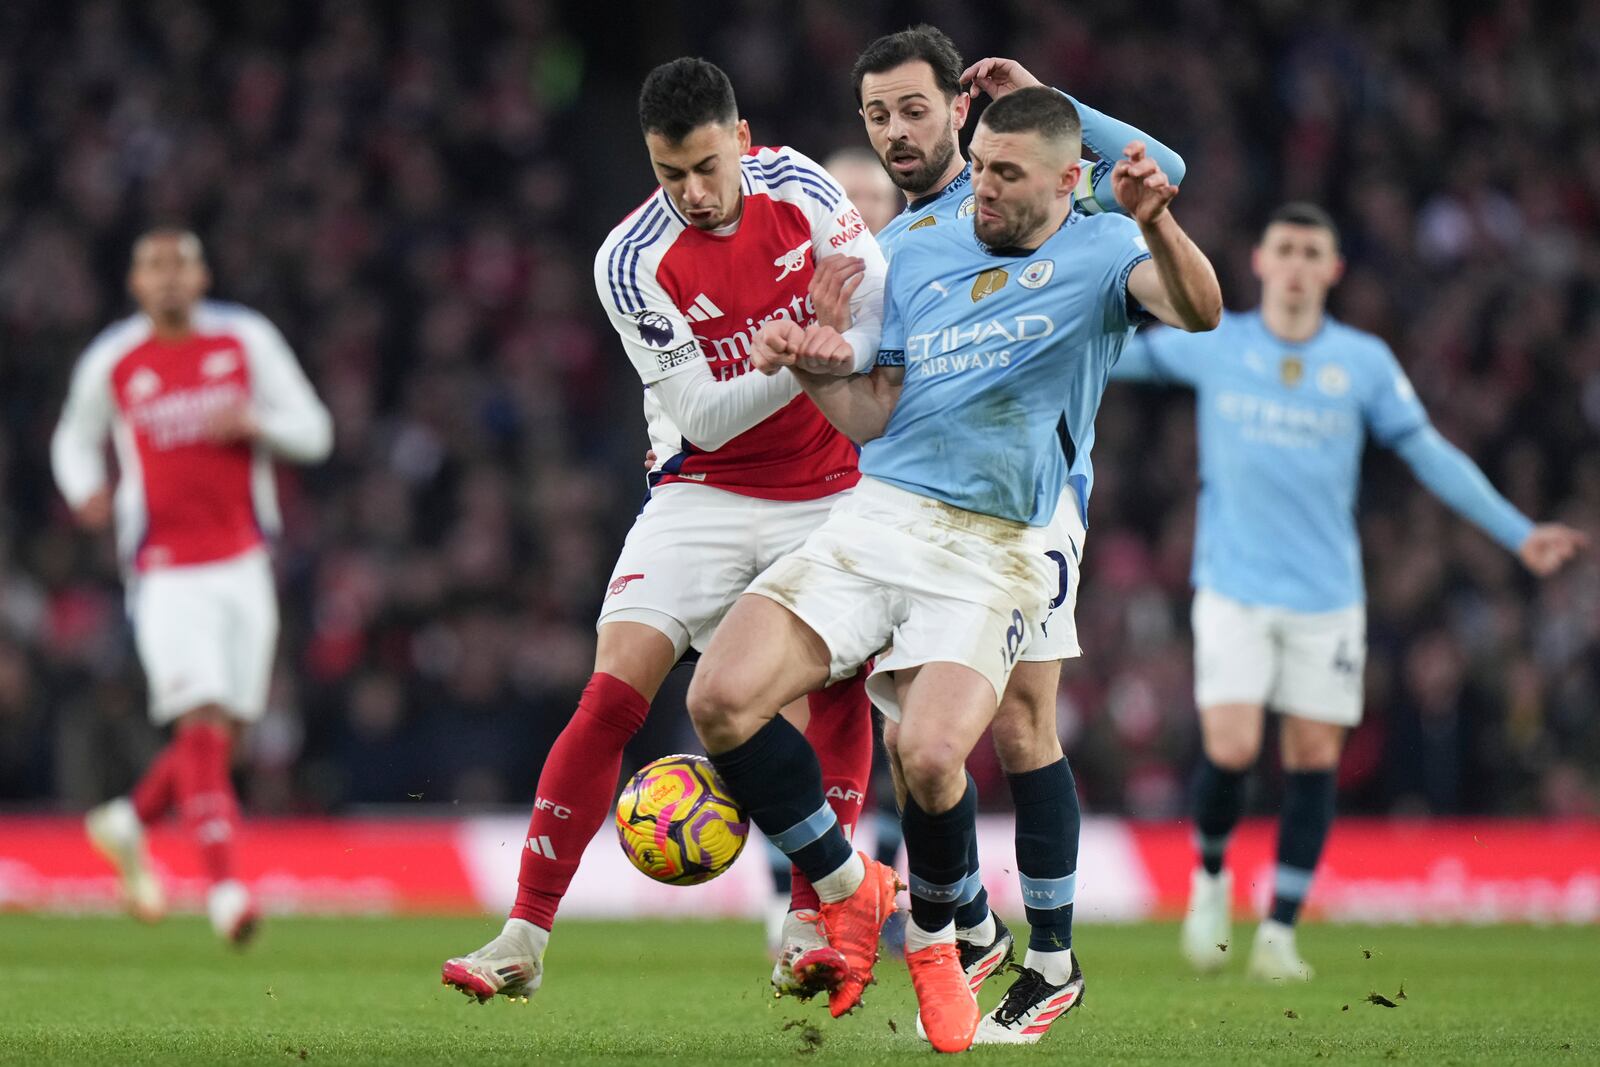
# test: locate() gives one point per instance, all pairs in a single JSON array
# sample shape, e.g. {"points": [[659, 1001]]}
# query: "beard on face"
{"points": [[921, 180], [1013, 227]]}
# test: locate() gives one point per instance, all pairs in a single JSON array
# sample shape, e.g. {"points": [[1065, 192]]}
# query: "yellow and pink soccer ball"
{"points": [[677, 823]]}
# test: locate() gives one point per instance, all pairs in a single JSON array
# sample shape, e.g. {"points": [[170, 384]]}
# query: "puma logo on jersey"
{"points": [[218, 364], [939, 288], [792, 260], [703, 309]]}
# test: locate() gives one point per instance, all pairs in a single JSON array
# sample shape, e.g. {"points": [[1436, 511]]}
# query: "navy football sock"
{"points": [[973, 907], [937, 847], [1048, 821], [777, 779], [1218, 803], [1308, 802]]}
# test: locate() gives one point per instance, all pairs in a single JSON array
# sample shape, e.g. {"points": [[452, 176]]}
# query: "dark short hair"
{"points": [[683, 95], [1036, 110], [927, 43], [1302, 213]]}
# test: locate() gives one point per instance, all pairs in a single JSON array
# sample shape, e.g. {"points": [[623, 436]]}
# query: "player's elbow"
{"points": [[1204, 313]]}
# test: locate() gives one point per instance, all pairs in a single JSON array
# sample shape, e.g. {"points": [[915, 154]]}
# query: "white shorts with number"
{"points": [[206, 634], [941, 584], [1305, 664], [693, 550], [1055, 635]]}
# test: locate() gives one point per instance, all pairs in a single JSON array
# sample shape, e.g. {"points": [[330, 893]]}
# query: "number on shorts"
{"points": [[1014, 637]]}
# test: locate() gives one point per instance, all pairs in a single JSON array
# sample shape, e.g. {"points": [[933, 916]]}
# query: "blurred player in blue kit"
{"points": [[1287, 396]]}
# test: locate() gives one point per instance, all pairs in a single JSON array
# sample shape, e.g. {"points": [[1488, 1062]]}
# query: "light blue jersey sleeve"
{"points": [[1106, 137], [1162, 356], [892, 342], [1456, 480], [1397, 419]]}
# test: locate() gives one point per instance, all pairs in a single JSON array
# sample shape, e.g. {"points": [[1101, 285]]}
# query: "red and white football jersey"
{"points": [[676, 294], [180, 498]]}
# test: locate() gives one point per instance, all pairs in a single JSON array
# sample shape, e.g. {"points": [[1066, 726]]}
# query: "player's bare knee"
{"points": [[934, 771], [721, 706], [1233, 752]]}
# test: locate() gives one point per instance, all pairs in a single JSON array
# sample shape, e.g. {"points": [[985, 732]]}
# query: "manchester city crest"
{"points": [[1035, 274], [968, 206]]}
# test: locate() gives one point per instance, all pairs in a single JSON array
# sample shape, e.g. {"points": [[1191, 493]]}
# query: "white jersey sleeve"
{"points": [[78, 446], [294, 423], [661, 345], [837, 229]]}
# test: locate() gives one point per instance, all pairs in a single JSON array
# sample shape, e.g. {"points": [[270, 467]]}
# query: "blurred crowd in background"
{"points": [[413, 193]]}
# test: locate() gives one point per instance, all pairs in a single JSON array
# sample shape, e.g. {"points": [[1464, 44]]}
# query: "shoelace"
{"points": [[1021, 996]]}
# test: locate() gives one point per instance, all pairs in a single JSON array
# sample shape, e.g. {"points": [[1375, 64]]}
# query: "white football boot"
{"points": [[512, 965], [807, 964], [117, 834], [1208, 925], [1031, 1006], [232, 911], [1274, 957]]}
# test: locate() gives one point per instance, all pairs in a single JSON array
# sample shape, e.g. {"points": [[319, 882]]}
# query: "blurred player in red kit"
{"points": [[198, 398]]}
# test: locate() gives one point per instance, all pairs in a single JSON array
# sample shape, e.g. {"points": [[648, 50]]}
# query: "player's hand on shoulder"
{"points": [[232, 425], [775, 345], [833, 283], [1549, 546], [1141, 186], [94, 514], [997, 76], [823, 351]]}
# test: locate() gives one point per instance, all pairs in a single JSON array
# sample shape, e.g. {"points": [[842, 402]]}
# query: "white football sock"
{"points": [[917, 938], [1056, 965], [982, 934], [842, 883]]}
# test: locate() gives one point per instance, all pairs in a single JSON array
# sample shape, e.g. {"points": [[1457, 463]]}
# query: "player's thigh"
{"points": [[1025, 735], [247, 586], [180, 630], [685, 561], [1053, 636], [944, 709], [798, 712], [763, 658], [1324, 662], [1236, 657]]}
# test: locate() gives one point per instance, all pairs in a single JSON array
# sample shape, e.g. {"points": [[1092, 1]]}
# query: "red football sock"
{"points": [[841, 732], [152, 797], [203, 790], [575, 792]]}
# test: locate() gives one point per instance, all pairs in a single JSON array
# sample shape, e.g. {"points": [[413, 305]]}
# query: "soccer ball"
{"points": [[677, 823]]}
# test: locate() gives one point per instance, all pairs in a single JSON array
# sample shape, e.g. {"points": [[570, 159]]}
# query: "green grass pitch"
{"points": [[354, 991]]}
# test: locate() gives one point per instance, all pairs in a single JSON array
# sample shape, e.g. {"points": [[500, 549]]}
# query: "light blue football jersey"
{"points": [[1281, 429], [1006, 357]]}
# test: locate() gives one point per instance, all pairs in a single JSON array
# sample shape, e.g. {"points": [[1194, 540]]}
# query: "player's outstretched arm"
{"points": [[1456, 480], [1177, 285]]}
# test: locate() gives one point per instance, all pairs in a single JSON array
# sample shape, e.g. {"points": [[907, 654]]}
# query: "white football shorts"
{"points": [[206, 634], [938, 583], [1306, 664], [1054, 635], [693, 550]]}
